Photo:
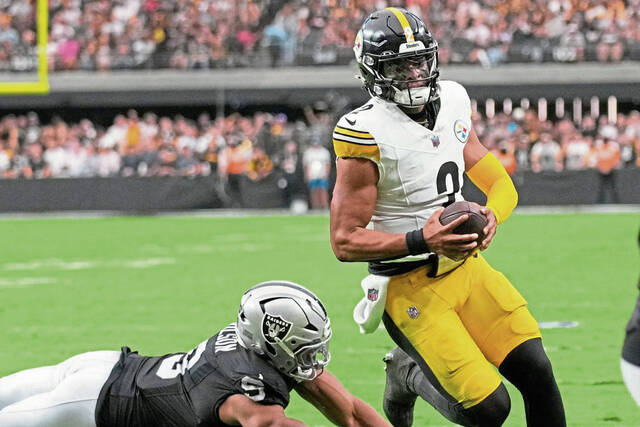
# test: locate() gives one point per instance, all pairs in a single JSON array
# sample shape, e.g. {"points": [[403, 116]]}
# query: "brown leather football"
{"points": [[475, 224]]}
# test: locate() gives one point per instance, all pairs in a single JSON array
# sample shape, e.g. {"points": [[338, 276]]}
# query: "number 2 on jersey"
{"points": [[448, 169]]}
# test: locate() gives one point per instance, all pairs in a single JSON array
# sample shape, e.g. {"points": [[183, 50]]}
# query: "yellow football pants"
{"points": [[461, 325]]}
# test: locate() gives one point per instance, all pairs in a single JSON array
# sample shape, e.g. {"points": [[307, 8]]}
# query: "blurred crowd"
{"points": [[202, 34], [522, 141], [255, 145], [231, 147]]}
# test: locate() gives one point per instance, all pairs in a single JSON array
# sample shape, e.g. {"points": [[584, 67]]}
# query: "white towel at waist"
{"points": [[368, 312]]}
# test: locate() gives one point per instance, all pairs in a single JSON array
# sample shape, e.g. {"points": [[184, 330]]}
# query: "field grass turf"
{"points": [[160, 285]]}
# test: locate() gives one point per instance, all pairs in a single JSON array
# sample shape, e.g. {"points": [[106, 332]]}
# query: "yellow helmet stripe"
{"points": [[408, 32]]}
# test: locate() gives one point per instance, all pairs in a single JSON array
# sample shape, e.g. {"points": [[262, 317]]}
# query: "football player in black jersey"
{"points": [[242, 375], [630, 362]]}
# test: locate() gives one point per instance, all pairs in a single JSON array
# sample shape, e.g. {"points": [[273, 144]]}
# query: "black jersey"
{"points": [[187, 389], [631, 346]]}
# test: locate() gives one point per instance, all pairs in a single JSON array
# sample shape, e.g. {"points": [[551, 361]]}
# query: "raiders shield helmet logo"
{"points": [[274, 327]]}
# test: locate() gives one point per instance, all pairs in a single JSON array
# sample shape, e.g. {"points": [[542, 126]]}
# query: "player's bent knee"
{"points": [[492, 411], [528, 367], [541, 369], [539, 366]]}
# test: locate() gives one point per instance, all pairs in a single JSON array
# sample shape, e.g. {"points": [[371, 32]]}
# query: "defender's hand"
{"points": [[443, 241], [490, 229]]}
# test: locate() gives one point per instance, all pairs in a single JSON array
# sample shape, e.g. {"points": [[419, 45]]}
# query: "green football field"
{"points": [[162, 284]]}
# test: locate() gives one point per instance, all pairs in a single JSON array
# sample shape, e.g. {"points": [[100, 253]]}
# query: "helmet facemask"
{"points": [[411, 80], [310, 359]]}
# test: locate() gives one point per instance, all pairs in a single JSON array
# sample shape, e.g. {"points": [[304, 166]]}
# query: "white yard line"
{"points": [[145, 262], [558, 325], [58, 264], [26, 281], [53, 263], [245, 213]]}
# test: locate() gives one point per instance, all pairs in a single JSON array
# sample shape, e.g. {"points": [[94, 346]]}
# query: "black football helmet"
{"points": [[397, 57]]}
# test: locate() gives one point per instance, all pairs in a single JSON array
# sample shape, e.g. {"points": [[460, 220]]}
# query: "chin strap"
{"points": [[284, 347]]}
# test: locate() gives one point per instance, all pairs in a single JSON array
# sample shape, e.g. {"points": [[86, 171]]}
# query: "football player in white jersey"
{"points": [[401, 158]]}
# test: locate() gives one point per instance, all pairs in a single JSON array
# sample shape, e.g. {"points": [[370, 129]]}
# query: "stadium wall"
{"points": [[117, 194], [299, 86], [566, 188], [136, 194]]}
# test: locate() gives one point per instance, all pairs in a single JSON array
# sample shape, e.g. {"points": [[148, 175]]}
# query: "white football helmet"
{"points": [[288, 324]]}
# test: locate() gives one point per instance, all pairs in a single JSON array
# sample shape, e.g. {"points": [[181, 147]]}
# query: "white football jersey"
{"points": [[420, 170]]}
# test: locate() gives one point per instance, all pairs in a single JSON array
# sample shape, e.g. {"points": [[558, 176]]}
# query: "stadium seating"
{"points": [[177, 146], [135, 34]]}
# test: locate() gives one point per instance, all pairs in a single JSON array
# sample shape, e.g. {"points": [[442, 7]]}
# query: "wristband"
{"points": [[416, 243]]}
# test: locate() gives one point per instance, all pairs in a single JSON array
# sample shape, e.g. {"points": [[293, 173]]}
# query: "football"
{"points": [[475, 224]]}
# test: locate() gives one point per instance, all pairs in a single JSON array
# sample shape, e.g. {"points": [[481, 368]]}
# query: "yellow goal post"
{"points": [[41, 86]]}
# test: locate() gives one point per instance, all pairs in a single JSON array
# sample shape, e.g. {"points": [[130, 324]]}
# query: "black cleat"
{"points": [[398, 399]]}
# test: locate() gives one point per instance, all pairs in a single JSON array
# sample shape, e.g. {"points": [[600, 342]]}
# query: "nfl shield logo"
{"points": [[413, 312], [274, 327], [372, 294], [435, 141]]}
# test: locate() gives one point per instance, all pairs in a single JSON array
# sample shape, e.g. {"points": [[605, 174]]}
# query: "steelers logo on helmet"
{"points": [[398, 59], [357, 46], [408, 33]]}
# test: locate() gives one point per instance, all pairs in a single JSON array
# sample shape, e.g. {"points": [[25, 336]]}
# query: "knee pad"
{"points": [[491, 412], [527, 367]]}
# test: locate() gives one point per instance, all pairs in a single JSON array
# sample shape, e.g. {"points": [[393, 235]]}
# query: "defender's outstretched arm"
{"points": [[337, 404], [238, 409]]}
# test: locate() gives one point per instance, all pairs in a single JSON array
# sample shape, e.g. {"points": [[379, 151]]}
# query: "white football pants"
{"points": [[63, 395], [631, 377]]}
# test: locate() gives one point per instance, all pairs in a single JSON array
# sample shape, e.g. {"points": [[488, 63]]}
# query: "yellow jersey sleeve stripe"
{"points": [[408, 32], [346, 138], [350, 149], [353, 140], [354, 133]]}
